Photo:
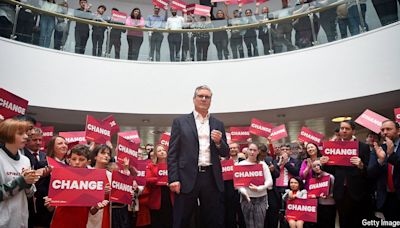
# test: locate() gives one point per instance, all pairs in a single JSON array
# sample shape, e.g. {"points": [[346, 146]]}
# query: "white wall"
{"points": [[363, 65]]}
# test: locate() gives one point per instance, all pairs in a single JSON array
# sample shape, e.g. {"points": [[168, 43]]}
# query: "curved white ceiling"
{"points": [[358, 66]]}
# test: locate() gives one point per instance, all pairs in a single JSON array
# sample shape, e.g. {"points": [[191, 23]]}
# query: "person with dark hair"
{"points": [[313, 154], [220, 38], [197, 142], [351, 191], [98, 32], [16, 176], [384, 168], [254, 200], [115, 39], [372, 138], [157, 22], [135, 38], [250, 36], [82, 29], [264, 32], [202, 38], [175, 39], [236, 40], [296, 190]]}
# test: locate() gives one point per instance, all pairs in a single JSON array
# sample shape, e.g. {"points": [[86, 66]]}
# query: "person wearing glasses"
{"points": [[197, 142]]}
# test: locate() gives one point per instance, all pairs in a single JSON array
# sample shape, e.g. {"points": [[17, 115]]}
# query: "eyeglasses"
{"points": [[204, 97], [316, 165]]}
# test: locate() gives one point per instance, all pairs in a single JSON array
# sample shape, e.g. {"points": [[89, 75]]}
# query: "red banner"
{"points": [[197, 9], [371, 120], [307, 135], [178, 5], [55, 164], [218, 0], [164, 140], [11, 105], [77, 186], [48, 133], [118, 17], [163, 4], [244, 175], [162, 174], [244, 2], [121, 188], [73, 138], [278, 132], [131, 135], [397, 115], [126, 149], [340, 152], [112, 124], [319, 186], [141, 175], [260, 128], [239, 134], [261, 1], [227, 169], [232, 2], [97, 131], [302, 209]]}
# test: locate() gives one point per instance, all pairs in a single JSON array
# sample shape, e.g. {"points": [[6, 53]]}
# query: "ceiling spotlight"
{"points": [[340, 119]]}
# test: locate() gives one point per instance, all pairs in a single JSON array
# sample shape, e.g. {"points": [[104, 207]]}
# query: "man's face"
{"points": [[371, 139], [286, 149], [233, 149], [82, 3], [346, 132], [388, 129], [156, 11], [34, 142], [173, 12], [202, 100], [100, 10]]}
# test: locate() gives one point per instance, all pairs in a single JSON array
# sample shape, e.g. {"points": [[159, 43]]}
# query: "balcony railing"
{"points": [[184, 38]]}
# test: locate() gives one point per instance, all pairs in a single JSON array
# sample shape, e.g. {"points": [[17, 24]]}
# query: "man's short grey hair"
{"points": [[205, 87], [37, 131]]}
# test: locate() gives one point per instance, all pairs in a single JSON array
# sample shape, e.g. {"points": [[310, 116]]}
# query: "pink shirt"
{"points": [[135, 23]]}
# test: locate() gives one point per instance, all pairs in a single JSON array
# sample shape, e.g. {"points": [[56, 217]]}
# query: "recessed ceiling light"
{"points": [[341, 119]]}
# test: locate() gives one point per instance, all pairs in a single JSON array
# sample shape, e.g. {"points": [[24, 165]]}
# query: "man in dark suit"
{"points": [[32, 148], [351, 190], [384, 168], [194, 169]]}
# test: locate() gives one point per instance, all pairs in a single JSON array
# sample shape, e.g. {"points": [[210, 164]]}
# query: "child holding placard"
{"points": [[296, 190], [161, 198], [76, 217], [254, 201]]}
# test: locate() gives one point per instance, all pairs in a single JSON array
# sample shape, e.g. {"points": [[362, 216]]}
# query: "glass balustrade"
{"points": [[232, 32]]}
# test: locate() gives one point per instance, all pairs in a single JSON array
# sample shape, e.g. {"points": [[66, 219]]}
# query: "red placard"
{"points": [[197, 9], [97, 131], [178, 5], [232, 2], [397, 115], [74, 136], [162, 174], [118, 17], [141, 169], [239, 134], [131, 135], [260, 128], [261, 1], [278, 132], [244, 2], [319, 186], [163, 4], [307, 135], [244, 175], [227, 169], [121, 188], [77, 186], [340, 152], [371, 120], [164, 140], [48, 133], [11, 105], [126, 149], [302, 209], [218, 0], [111, 122], [55, 164]]}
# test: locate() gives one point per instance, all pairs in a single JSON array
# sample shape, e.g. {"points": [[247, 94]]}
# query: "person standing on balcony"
{"points": [[135, 38], [175, 22], [237, 34], [386, 10], [355, 21], [98, 32], [115, 39], [202, 38], [47, 23], [155, 21], [250, 37], [220, 38], [263, 31], [82, 29]]}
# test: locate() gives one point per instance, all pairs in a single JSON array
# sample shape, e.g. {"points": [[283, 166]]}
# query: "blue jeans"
{"points": [[354, 19], [47, 24]]}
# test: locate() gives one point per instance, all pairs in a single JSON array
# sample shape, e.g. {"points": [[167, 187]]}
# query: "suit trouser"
{"points": [[391, 208], [386, 10], [211, 207]]}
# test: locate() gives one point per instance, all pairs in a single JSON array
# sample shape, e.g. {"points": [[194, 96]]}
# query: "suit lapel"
{"points": [[192, 124]]}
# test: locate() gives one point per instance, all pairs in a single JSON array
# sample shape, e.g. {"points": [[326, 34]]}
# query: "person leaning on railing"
{"points": [[175, 39], [47, 22], [188, 40], [82, 29], [135, 38], [115, 39], [220, 38], [202, 38], [263, 31], [7, 15], [237, 34], [61, 30], [284, 29], [98, 32], [302, 26], [250, 37], [156, 21]]}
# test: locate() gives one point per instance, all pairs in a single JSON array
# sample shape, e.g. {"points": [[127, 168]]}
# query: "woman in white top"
{"points": [[254, 200]]}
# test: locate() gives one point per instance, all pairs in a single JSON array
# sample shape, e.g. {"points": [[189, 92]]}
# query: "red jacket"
{"points": [[155, 190]]}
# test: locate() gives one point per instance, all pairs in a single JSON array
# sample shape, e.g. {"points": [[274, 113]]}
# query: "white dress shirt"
{"points": [[203, 131]]}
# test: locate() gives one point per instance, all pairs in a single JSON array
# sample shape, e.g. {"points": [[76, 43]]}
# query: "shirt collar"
{"points": [[197, 116]]}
